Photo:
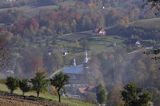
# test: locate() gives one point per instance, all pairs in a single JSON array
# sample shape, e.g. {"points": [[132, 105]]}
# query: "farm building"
{"points": [[100, 31]]}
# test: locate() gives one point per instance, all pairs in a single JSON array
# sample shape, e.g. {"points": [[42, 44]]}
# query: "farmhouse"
{"points": [[138, 44], [100, 31]]}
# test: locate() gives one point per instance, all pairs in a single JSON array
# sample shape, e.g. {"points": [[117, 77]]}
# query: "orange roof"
{"points": [[82, 90], [85, 89]]}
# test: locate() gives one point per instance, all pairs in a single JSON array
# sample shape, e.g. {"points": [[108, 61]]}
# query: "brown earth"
{"points": [[7, 102], [15, 100]]}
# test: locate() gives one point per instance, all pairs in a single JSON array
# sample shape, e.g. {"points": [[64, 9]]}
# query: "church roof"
{"points": [[73, 69]]}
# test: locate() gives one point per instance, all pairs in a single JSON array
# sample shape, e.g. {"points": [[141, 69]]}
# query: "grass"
{"points": [[101, 44], [68, 2], [96, 44], [153, 23], [29, 9], [47, 95]]}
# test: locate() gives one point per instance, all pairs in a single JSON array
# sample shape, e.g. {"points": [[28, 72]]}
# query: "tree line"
{"points": [[131, 94], [38, 84]]}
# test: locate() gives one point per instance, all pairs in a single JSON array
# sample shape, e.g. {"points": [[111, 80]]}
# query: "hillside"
{"points": [[142, 29], [102, 39], [46, 99], [7, 102], [153, 23], [15, 100]]}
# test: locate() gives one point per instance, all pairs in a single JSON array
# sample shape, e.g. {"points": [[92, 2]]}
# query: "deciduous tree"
{"points": [[39, 82], [12, 84], [24, 86], [134, 96], [59, 80], [101, 94]]}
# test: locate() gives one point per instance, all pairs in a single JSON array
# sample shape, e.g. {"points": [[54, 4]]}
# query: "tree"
{"points": [[5, 53], [155, 1], [59, 80], [101, 94], [12, 84], [44, 2], [133, 96], [155, 4], [24, 86], [39, 82]]}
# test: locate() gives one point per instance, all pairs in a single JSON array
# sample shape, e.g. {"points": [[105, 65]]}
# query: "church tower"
{"points": [[86, 60], [86, 57], [74, 62]]}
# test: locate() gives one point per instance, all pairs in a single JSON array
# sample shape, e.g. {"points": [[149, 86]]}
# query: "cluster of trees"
{"points": [[101, 94], [39, 83], [5, 51], [57, 22], [131, 95], [116, 69], [83, 15], [134, 96], [17, 3]]}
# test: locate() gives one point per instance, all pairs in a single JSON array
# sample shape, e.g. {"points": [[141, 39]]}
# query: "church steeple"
{"points": [[74, 62], [86, 57]]}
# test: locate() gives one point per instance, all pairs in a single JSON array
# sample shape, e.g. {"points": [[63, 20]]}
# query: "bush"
{"points": [[58, 81]]}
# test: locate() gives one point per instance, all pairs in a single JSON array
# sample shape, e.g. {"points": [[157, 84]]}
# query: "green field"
{"points": [[101, 44], [95, 44], [47, 95]]}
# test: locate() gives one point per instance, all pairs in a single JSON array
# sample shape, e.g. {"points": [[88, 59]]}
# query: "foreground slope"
{"points": [[6, 100], [46, 99]]}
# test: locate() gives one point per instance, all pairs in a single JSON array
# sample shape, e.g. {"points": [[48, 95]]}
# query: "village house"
{"points": [[138, 44], [100, 31]]}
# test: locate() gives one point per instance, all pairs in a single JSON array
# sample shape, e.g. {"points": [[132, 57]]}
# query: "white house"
{"points": [[100, 31], [138, 44]]}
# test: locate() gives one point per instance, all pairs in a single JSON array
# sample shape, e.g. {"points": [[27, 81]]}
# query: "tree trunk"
{"points": [[59, 96], [37, 94], [11, 91], [23, 93]]}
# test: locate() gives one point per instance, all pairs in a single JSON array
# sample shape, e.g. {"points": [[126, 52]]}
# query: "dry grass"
{"points": [[7, 99], [7, 102]]}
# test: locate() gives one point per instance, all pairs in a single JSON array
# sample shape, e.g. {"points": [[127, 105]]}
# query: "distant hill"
{"points": [[145, 29]]}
